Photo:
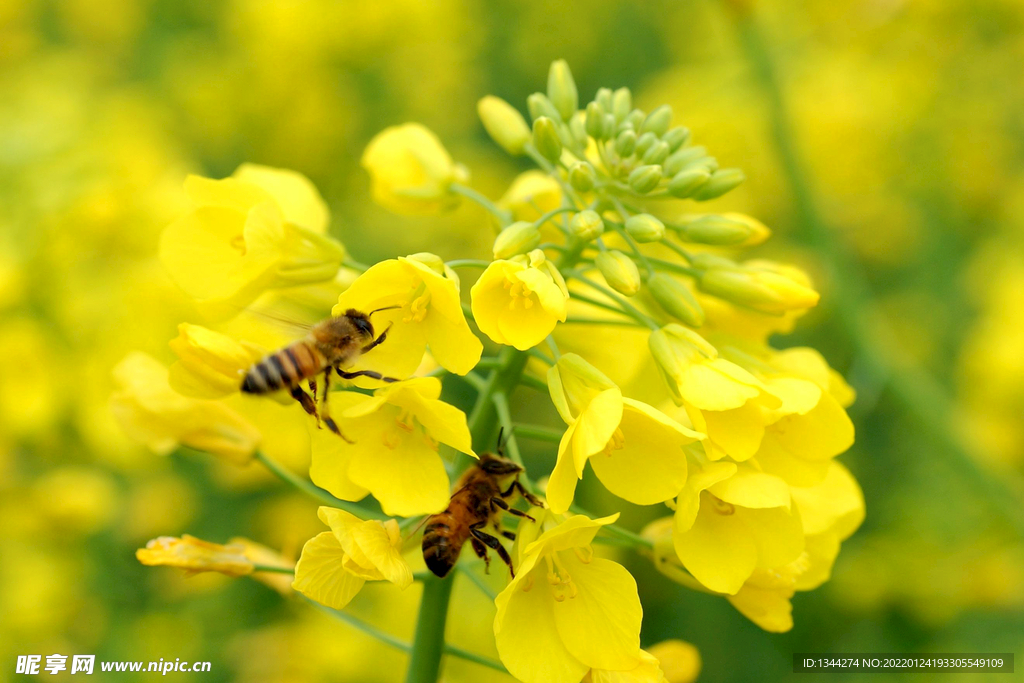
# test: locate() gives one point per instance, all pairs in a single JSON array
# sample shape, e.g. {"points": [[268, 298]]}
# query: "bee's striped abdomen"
{"points": [[443, 539], [284, 369]]}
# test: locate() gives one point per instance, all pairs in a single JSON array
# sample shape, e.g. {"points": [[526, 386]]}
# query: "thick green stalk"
{"points": [[429, 646]]}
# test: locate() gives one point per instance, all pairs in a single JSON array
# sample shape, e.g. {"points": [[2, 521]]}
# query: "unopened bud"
{"points": [[644, 179], [731, 229], [765, 288], [681, 158], [636, 118], [657, 153], [504, 124], [608, 126], [518, 238], [676, 137], [562, 89], [539, 105], [645, 142], [622, 103], [595, 121], [619, 272], [658, 121], [644, 227], [685, 183], [432, 261], [625, 143], [587, 225], [582, 176], [676, 299], [721, 182], [604, 98], [546, 140], [578, 130]]}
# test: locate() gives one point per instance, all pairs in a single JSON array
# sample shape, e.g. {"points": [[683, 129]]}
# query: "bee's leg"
{"points": [[510, 535], [378, 341], [495, 545], [481, 551], [530, 498], [312, 388], [328, 420], [510, 510], [307, 403], [365, 373]]}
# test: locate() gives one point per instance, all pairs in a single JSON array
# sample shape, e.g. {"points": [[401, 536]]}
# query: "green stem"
{"points": [[475, 658], [919, 394], [629, 308], [532, 382], [369, 629], [311, 489], [504, 217], [468, 263], [538, 432], [270, 569]]}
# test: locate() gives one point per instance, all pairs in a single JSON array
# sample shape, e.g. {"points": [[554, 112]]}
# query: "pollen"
{"points": [[522, 296], [417, 309]]}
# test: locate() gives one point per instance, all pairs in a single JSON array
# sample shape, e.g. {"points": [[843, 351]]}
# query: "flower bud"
{"points": [[635, 118], [587, 225], [731, 229], [504, 124], [644, 227], [545, 139], [622, 103], [658, 121], [518, 238], [604, 99], [721, 182], [685, 183], [578, 130], [764, 287], [619, 272], [681, 158], [643, 179], [595, 121], [676, 299], [608, 126], [625, 143], [644, 143], [582, 176], [657, 153], [562, 89], [676, 137], [432, 261], [539, 105]]}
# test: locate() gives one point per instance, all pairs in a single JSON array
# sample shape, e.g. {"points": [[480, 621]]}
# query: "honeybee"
{"points": [[330, 345], [479, 500]]}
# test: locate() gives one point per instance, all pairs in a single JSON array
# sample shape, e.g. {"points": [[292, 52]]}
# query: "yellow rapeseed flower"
{"points": [[260, 228], [411, 171], [151, 412], [429, 313], [210, 364], [567, 612], [680, 661], [647, 671], [394, 454], [335, 564], [518, 302], [531, 195], [195, 555], [635, 450]]}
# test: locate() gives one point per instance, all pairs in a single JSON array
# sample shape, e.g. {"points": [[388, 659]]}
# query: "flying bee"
{"points": [[478, 501], [330, 345]]}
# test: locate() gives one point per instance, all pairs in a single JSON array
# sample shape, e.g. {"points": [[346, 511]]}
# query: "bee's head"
{"points": [[494, 464], [360, 321]]}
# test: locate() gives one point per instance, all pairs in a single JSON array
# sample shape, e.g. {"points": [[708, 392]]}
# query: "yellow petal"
{"points": [[776, 532], [408, 479], [562, 482], [753, 489], [600, 626], [834, 504], [331, 456], [453, 344], [298, 198], [768, 608], [822, 550], [575, 532], [718, 550], [714, 385], [650, 467], [699, 479], [796, 471], [529, 645], [647, 671], [822, 433], [680, 661], [319, 574], [195, 555], [595, 426], [738, 432], [375, 539]]}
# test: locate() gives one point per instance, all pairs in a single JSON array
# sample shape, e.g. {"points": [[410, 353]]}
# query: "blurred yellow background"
{"points": [[905, 118]]}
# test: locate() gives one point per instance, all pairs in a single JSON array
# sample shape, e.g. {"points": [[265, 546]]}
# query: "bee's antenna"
{"points": [[502, 442], [386, 308]]}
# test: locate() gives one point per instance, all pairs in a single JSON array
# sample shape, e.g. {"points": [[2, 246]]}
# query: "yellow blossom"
{"points": [[566, 611], [680, 661], [647, 671], [260, 228], [151, 412], [411, 171], [194, 555], [518, 302], [761, 285], [428, 313], [335, 564], [531, 195], [394, 454], [210, 364], [635, 450]]}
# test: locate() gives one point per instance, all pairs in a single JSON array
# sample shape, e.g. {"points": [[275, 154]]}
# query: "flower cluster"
{"points": [[737, 438]]}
